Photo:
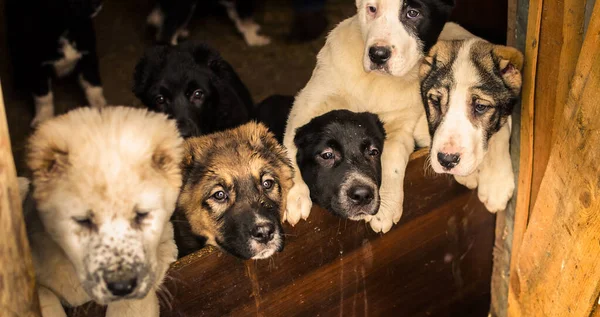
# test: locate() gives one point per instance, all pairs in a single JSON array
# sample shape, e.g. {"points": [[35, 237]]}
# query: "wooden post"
{"points": [[18, 296], [557, 270]]}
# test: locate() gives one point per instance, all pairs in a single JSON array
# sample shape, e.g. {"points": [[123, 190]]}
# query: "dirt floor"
{"points": [[122, 37]]}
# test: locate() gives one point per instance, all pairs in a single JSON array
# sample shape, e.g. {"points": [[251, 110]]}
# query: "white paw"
{"points": [[95, 97], [469, 181], [495, 190], [183, 33], [298, 204], [44, 109], [257, 40], [385, 219], [155, 18]]}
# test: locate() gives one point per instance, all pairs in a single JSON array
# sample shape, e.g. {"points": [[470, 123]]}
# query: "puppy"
{"points": [[273, 112], [51, 39], [171, 18], [104, 187], [339, 156], [233, 195], [469, 89], [193, 85]]}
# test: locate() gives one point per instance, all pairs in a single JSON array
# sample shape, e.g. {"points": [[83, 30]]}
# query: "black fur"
{"points": [[427, 26], [34, 29], [273, 112], [175, 73], [350, 135]]}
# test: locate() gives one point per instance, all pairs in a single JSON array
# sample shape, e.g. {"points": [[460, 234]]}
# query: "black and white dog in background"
{"points": [[50, 39], [170, 18]]}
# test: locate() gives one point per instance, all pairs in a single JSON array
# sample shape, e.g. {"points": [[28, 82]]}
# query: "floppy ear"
{"points": [[143, 69], [46, 159], [428, 62], [510, 63]]}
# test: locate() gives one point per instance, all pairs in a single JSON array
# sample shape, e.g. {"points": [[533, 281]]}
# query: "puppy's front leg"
{"points": [[49, 303], [496, 177], [298, 203], [396, 152], [40, 85], [146, 307]]}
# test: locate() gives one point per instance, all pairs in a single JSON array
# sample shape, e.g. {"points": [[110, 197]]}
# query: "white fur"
{"points": [[93, 94], [247, 27], [44, 108], [110, 174], [339, 81], [71, 56]]}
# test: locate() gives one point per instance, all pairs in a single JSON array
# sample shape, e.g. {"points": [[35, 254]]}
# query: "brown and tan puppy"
{"points": [[105, 184], [234, 193]]}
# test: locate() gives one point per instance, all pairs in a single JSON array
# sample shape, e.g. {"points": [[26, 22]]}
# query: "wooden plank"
{"points": [[511, 26], [436, 262], [558, 269], [18, 295], [526, 140], [559, 45]]}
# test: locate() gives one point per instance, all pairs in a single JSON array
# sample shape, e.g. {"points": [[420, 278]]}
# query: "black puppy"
{"points": [[50, 39], [195, 86], [339, 156], [273, 112], [170, 18]]}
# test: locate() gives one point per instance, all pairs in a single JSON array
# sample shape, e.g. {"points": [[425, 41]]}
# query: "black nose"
{"points": [[448, 161], [122, 287], [263, 233], [379, 54], [361, 195]]}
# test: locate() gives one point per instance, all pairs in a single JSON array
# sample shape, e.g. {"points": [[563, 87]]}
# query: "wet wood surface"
{"points": [[436, 262]]}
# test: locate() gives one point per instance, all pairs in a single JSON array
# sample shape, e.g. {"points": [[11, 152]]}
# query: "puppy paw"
{"points": [[44, 109], [95, 97], [298, 204], [469, 181], [156, 18], [385, 219], [257, 40], [495, 190]]}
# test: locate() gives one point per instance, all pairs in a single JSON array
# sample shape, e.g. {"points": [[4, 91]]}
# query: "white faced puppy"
{"points": [[105, 184], [469, 89], [339, 156]]}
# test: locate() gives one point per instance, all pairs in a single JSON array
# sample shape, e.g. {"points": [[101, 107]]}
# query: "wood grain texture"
{"points": [[559, 45], [526, 140], [436, 262], [558, 268], [18, 296]]}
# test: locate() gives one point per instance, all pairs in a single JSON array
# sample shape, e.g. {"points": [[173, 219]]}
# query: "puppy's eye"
{"points": [[85, 222], [412, 13], [373, 151], [197, 94], [268, 183], [140, 216], [481, 109], [220, 196], [372, 9], [160, 100], [434, 100], [327, 155]]}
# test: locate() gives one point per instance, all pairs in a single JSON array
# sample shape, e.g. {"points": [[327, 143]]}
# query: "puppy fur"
{"points": [[105, 184], [469, 89], [342, 80], [52, 39], [339, 155], [193, 85], [234, 191]]}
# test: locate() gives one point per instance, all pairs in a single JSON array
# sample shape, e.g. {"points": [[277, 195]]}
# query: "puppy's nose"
{"points": [[263, 233], [380, 54], [122, 287], [361, 195], [448, 161]]}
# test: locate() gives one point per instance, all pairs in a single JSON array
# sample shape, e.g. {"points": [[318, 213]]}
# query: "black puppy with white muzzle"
{"points": [[339, 156], [193, 85], [49, 39]]}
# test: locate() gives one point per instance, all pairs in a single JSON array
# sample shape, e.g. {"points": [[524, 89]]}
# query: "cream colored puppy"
{"points": [[104, 186]]}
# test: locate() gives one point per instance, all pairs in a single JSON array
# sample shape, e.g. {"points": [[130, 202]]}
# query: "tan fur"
{"points": [[236, 155], [339, 81], [110, 163]]}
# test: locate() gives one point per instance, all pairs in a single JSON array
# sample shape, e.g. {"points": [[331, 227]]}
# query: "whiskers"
{"points": [[428, 171]]}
